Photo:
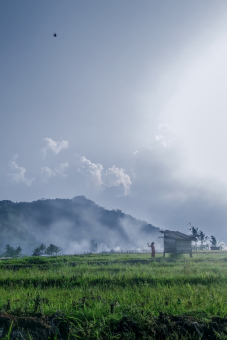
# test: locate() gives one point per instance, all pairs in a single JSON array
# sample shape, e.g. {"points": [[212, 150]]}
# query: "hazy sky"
{"points": [[127, 106]]}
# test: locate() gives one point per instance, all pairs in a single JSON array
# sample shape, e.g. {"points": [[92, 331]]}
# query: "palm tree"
{"points": [[195, 233], [203, 238], [215, 243]]}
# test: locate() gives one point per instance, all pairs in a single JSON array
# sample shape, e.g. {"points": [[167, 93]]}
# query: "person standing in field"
{"points": [[152, 249]]}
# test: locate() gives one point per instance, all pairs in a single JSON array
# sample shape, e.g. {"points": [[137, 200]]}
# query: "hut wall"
{"points": [[183, 247], [215, 248], [169, 245]]}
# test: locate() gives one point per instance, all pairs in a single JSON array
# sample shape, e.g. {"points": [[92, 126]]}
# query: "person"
{"points": [[152, 249]]}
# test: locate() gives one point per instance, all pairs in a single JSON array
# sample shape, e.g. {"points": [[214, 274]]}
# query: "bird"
{"points": [[54, 34]]}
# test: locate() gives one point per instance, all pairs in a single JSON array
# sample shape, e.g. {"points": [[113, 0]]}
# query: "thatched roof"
{"points": [[177, 235]]}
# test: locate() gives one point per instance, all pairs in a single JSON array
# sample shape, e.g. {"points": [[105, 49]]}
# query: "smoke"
{"points": [[71, 224]]}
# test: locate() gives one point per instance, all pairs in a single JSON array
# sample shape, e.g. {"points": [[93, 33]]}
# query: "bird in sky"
{"points": [[54, 34]]}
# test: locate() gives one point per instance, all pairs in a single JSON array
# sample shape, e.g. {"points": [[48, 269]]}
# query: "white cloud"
{"points": [[60, 170], [48, 172], [95, 170], [115, 176], [18, 174], [110, 178], [56, 147]]}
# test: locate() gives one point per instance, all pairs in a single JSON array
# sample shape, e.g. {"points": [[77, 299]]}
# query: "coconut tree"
{"points": [[203, 238], [195, 232], [215, 243]]}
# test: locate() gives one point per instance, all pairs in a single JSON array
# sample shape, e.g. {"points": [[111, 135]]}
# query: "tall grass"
{"points": [[93, 283]]}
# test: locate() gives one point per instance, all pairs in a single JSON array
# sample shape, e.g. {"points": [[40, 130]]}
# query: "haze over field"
{"points": [[126, 106], [72, 225]]}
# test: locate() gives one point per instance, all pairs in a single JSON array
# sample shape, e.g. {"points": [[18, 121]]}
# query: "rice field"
{"points": [[117, 296]]}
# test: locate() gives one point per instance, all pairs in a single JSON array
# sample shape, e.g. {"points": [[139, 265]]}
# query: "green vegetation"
{"points": [[50, 250], [11, 251], [76, 221], [125, 296]]}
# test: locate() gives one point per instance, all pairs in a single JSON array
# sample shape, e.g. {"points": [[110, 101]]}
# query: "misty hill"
{"points": [[70, 224]]}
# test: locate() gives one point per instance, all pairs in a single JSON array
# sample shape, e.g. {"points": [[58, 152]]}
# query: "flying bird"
{"points": [[54, 34]]}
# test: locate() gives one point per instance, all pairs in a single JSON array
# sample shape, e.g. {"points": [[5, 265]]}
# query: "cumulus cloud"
{"points": [[62, 167], [111, 177], [95, 170], [18, 174], [115, 176], [48, 172], [60, 170], [55, 146]]}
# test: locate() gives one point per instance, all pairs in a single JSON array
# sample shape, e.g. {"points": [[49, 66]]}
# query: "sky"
{"points": [[126, 106]]}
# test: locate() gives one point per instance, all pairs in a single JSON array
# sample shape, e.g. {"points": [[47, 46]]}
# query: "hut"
{"points": [[177, 243]]}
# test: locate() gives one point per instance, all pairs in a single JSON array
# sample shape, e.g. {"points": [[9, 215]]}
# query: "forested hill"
{"points": [[70, 224]]}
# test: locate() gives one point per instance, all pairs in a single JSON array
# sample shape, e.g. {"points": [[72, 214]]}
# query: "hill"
{"points": [[70, 224]]}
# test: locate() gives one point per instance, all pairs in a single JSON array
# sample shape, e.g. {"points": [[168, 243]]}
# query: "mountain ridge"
{"points": [[70, 224]]}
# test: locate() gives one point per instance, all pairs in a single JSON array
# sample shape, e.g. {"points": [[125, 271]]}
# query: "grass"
{"points": [[96, 292]]}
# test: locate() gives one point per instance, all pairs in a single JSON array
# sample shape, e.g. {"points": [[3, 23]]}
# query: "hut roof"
{"points": [[177, 235]]}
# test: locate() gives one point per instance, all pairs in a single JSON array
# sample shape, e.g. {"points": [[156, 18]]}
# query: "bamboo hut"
{"points": [[177, 243]]}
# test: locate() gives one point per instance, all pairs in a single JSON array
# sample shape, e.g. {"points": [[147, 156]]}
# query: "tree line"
{"points": [[41, 250], [11, 251], [44, 250], [205, 241]]}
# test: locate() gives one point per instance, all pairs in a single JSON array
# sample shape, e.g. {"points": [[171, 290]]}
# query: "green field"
{"points": [[126, 296]]}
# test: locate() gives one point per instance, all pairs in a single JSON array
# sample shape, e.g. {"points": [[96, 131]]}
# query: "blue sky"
{"points": [[126, 106]]}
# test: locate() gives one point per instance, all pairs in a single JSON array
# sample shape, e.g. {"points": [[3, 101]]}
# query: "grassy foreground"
{"points": [[126, 296]]}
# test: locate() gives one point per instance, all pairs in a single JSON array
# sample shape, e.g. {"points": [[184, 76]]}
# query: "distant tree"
{"points": [[215, 243], [57, 250], [8, 250], [42, 248], [11, 251], [93, 246], [18, 251], [203, 239], [52, 249], [194, 231], [36, 252]]}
